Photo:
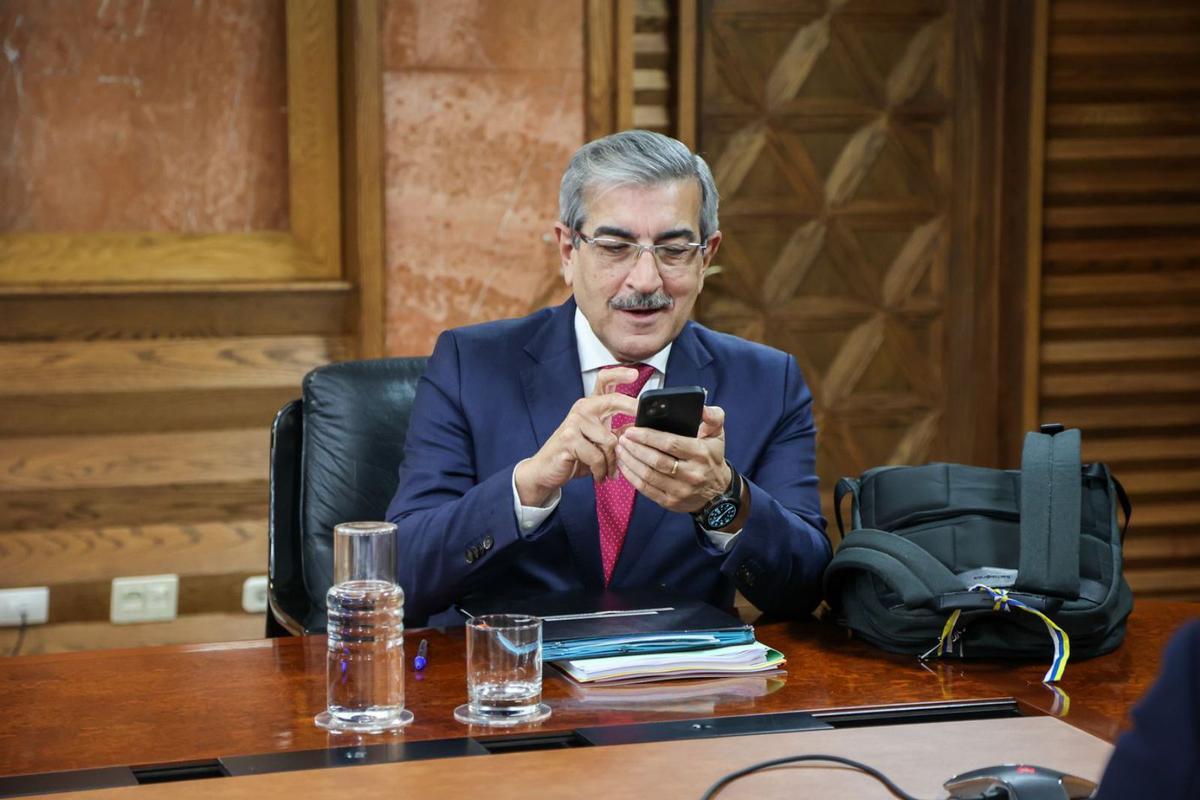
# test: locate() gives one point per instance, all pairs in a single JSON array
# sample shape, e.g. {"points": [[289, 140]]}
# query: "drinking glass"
{"points": [[504, 671]]}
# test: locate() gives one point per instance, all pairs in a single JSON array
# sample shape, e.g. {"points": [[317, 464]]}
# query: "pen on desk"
{"points": [[420, 659]]}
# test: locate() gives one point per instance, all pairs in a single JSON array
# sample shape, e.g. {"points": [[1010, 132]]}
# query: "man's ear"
{"points": [[566, 251]]}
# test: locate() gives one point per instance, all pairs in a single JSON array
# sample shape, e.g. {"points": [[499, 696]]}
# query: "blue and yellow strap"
{"points": [[1001, 601]]}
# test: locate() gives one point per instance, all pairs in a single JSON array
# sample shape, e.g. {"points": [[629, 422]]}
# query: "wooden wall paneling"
{"points": [[64, 637], [114, 442], [93, 509], [623, 64], [148, 459], [653, 67], [1030, 373], [48, 313], [313, 149], [857, 155], [1119, 350], [686, 75], [163, 410], [77, 488], [1018, 186], [599, 68], [969, 430], [178, 364], [609, 68], [641, 67], [362, 113], [52, 556], [310, 250], [115, 361], [142, 371], [32, 259]]}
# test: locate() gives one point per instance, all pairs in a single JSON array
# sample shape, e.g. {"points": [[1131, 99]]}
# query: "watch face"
{"points": [[722, 514]]}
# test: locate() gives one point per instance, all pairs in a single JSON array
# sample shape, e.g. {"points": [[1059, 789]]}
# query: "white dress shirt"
{"points": [[593, 356]]}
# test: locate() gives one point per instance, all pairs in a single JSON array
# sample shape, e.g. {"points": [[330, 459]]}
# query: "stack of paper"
{"points": [[696, 696], [718, 661]]}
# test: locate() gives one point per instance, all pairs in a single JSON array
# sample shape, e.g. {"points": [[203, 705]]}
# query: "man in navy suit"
{"points": [[521, 472]]}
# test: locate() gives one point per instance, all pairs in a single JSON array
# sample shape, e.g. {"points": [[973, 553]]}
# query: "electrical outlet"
{"points": [[145, 598], [32, 601], [254, 594]]}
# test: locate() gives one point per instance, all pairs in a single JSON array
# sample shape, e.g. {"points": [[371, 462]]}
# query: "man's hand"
{"points": [[677, 472], [584, 443]]}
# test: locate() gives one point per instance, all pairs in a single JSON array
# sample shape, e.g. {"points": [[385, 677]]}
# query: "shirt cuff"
{"points": [[720, 539], [530, 517]]}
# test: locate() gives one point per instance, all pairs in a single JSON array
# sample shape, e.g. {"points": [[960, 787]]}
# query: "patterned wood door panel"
{"points": [[830, 130]]}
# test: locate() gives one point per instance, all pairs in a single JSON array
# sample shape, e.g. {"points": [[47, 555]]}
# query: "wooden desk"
{"points": [[170, 704], [919, 758]]}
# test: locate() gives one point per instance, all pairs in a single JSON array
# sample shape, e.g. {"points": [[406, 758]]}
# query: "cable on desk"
{"points": [[775, 762], [20, 635]]}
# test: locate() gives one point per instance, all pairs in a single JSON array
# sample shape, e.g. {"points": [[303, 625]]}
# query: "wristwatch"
{"points": [[720, 511]]}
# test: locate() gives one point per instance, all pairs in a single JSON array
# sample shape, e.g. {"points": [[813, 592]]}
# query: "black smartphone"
{"points": [[676, 410]]}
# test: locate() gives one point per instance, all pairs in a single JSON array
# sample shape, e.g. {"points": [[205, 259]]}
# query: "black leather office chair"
{"points": [[334, 458]]}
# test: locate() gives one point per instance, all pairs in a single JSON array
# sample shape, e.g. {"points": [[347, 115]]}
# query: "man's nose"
{"points": [[643, 275]]}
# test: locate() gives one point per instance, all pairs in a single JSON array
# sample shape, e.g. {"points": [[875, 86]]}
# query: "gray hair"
{"points": [[640, 158]]}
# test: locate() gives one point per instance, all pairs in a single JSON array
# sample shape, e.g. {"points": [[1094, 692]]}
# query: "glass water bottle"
{"points": [[365, 661]]}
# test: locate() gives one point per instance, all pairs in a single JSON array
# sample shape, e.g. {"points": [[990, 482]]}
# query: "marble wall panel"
{"points": [[484, 35], [483, 108], [143, 115]]}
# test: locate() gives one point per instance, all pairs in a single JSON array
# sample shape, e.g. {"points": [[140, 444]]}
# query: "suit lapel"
{"points": [[690, 364], [552, 384]]}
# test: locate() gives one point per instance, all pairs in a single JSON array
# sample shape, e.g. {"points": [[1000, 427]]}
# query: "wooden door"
{"points": [[854, 147]]}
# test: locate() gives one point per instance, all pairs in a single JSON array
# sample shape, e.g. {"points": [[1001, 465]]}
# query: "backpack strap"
{"points": [[1051, 476], [918, 577], [1101, 470], [1123, 499], [844, 487]]}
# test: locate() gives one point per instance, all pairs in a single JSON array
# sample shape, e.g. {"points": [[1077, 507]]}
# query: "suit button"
{"points": [[488, 541], [471, 555]]}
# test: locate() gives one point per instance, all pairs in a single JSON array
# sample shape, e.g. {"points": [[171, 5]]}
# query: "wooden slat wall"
{"points": [[1120, 323], [653, 65], [641, 67], [134, 432]]}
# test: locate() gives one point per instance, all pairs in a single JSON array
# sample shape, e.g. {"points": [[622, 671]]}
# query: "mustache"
{"points": [[642, 301]]}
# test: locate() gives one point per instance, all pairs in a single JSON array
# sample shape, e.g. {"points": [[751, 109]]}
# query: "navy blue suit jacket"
{"points": [[491, 396], [1160, 757]]}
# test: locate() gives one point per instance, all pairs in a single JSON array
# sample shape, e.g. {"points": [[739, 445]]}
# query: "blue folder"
{"points": [[589, 625]]}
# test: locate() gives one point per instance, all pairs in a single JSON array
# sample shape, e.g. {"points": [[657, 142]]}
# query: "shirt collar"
{"points": [[593, 354]]}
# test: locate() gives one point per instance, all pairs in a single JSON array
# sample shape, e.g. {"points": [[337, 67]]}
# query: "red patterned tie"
{"points": [[614, 497]]}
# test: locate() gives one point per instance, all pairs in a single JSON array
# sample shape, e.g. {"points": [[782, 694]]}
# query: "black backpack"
{"points": [[938, 553]]}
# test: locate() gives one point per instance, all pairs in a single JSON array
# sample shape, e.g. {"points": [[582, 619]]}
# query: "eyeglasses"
{"points": [[670, 256]]}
